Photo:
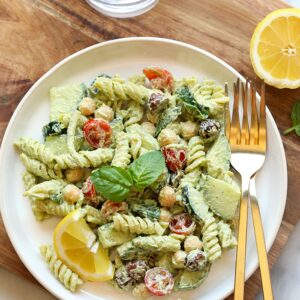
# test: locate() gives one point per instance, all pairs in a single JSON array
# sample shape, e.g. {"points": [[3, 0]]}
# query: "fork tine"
{"points": [[262, 120], [227, 114], [235, 131], [245, 124], [254, 117]]}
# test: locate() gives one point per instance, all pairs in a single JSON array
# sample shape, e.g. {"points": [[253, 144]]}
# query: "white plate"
{"points": [[127, 57]]}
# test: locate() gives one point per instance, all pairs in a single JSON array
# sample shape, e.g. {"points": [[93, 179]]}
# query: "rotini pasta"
{"points": [[65, 275], [39, 169], [112, 90], [226, 235], [122, 157], [35, 150], [196, 154], [51, 208], [29, 180], [135, 114], [210, 238], [137, 225]]}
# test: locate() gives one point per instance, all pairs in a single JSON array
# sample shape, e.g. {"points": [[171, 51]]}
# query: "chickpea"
{"points": [[192, 242], [71, 193], [149, 127], [167, 197], [167, 137], [178, 259], [105, 113], [74, 175], [140, 291], [165, 215], [188, 129], [87, 106]]}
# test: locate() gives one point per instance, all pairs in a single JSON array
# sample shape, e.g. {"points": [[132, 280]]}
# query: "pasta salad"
{"points": [[139, 170]]}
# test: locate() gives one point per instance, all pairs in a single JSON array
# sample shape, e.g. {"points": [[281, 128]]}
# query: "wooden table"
{"points": [[36, 34]]}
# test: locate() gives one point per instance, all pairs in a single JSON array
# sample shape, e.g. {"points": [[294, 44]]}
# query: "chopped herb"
{"points": [[57, 198]]}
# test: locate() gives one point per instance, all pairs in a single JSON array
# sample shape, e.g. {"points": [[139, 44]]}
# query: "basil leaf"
{"points": [[189, 102], [295, 116], [113, 183], [147, 168]]}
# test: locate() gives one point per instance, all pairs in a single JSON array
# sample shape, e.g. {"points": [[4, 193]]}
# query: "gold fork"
{"points": [[248, 147]]}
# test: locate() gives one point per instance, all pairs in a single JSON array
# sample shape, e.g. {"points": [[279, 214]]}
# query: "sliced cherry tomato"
{"points": [[160, 78], [110, 207], [159, 281], [88, 189], [97, 133], [182, 224], [175, 158]]}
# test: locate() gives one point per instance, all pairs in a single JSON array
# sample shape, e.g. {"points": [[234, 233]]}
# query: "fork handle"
{"points": [[261, 249], [242, 242]]}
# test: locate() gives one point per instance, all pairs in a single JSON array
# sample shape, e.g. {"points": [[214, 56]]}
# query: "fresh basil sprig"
{"points": [[295, 116], [112, 182], [115, 183]]}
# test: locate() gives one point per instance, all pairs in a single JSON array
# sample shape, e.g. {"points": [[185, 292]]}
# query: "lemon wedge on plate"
{"points": [[275, 48], [76, 245]]}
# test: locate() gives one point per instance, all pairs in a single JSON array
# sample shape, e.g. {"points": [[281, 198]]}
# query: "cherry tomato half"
{"points": [[182, 224], [88, 189], [97, 133], [160, 78], [175, 158], [159, 281], [110, 207]]}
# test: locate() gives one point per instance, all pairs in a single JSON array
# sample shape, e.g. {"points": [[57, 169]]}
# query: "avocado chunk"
{"points": [[65, 99], [222, 197], [218, 157], [188, 280]]}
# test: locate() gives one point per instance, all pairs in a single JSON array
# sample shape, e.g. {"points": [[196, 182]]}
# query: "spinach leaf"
{"points": [[295, 116], [53, 128], [189, 102], [151, 212], [112, 182], [166, 117], [147, 168]]}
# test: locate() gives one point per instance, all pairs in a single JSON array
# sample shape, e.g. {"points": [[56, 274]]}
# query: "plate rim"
{"points": [[5, 218]]}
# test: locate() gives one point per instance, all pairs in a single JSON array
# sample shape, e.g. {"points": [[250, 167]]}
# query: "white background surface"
{"points": [[13, 287]]}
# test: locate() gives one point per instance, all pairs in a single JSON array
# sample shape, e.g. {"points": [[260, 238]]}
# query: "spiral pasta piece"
{"points": [[134, 115], [226, 236], [135, 144], [29, 180], [66, 276], [210, 238], [113, 90], [51, 208], [196, 154], [37, 168], [137, 225], [122, 156], [35, 150]]}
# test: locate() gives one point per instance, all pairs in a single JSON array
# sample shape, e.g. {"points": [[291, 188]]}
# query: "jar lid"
{"points": [[122, 8]]}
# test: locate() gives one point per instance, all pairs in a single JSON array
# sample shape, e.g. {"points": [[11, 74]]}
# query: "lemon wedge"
{"points": [[275, 48], [76, 245]]}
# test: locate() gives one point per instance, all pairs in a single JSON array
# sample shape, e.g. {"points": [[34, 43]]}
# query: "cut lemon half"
{"points": [[275, 48], [76, 245]]}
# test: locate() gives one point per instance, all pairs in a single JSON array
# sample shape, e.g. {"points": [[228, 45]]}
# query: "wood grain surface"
{"points": [[36, 34]]}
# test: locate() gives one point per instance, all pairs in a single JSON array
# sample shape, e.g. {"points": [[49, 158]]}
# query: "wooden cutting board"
{"points": [[36, 34]]}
